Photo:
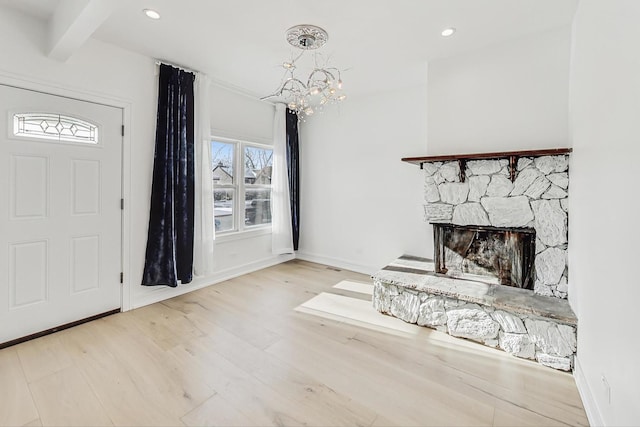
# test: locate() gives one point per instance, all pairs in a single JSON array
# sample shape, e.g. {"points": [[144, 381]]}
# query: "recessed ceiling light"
{"points": [[447, 32], [151, 13]]}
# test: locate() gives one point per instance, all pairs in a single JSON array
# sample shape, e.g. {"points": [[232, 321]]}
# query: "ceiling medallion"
{"points": [[307, 37], [319, 85]]}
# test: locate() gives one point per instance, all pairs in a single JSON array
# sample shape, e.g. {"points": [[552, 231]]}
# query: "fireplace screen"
{"points": [[494, 255]]}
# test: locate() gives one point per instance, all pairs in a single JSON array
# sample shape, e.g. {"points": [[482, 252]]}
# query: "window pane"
{"points": [[258, 164], [257, 206], [223, 209], [222, 162]]}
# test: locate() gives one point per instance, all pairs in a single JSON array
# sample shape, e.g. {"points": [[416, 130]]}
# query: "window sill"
{"points": [[241, 235]]}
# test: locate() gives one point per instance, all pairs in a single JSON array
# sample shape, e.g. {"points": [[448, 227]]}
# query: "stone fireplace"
{"points": [[537, 198], [500, 274]]}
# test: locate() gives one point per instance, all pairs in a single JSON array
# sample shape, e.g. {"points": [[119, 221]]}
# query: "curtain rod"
{"points": [[220, 83], [190, 70]]}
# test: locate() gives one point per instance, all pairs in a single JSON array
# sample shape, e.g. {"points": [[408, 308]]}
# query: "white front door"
{"points": [[60, 214]]}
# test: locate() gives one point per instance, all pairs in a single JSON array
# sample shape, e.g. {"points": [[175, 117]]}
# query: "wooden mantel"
{"points": [[511, 155]]}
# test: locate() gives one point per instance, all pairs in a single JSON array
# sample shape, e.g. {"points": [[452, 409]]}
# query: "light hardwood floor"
{"points": [[239, 354]]}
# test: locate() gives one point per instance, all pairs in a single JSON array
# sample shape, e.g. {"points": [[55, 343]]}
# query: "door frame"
{"points": [[125, 105]]}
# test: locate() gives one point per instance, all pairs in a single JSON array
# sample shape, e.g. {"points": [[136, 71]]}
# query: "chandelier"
{"points": [[305, 93]]}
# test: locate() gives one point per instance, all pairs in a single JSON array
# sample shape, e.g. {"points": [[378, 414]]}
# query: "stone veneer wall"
{"points": [[549, 342], [538, 198]]}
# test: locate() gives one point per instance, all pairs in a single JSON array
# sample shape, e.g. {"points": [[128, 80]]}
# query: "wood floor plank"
{"points": [[216, 411], [65, 398], [42, 357], [16, 404], [167, 328], [318, 403], [257, 401], [225, 315], [492, 375], [149, 368], [122, 399], [238, 353], [410, 401], [513, 414]]}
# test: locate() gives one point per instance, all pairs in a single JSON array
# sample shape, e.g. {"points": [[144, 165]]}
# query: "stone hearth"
{"points": [[515, 320]]}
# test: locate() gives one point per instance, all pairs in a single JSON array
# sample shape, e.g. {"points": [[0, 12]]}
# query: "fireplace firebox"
{"points": [[495, 255]]}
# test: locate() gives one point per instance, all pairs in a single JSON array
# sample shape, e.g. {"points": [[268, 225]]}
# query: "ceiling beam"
{"points": [[73, 22]]}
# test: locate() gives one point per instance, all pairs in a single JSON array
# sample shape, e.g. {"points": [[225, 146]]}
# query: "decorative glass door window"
{"points": [[54, 127]]}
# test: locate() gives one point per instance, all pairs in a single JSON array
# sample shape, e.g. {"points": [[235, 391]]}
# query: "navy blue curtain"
{"points": [[293, 167], [169, 255]]}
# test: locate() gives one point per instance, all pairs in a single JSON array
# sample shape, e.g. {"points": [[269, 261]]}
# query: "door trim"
{"points": [[37, 85]]}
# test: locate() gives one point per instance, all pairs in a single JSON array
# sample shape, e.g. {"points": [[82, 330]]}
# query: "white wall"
{"points": [[604, 234], [102, 71], [504, 97], [361, 207]]}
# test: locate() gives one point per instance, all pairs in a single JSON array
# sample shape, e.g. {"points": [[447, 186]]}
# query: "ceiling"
{"points": [[242, 43]]}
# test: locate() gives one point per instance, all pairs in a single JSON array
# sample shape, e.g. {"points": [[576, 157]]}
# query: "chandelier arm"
{"points": [[284, 75], [293, 80], [298, 57], [292, 94], [337, 71], [273, 95], [319, 70], [284, 87]]}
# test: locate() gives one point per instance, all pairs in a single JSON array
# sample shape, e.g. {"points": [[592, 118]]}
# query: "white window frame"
{"points": [[239, 211]]}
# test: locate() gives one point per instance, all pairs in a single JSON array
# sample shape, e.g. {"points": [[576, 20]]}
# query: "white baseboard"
{"points": [[336, 262], [588, 401], [161, 293]]}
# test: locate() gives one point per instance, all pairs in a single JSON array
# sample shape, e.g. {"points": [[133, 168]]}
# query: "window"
{"points": [[54, 127], [241, 185], [224, 186]]}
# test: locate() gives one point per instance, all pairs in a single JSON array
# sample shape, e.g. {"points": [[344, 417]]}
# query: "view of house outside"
{"points": [[254, 181]]}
